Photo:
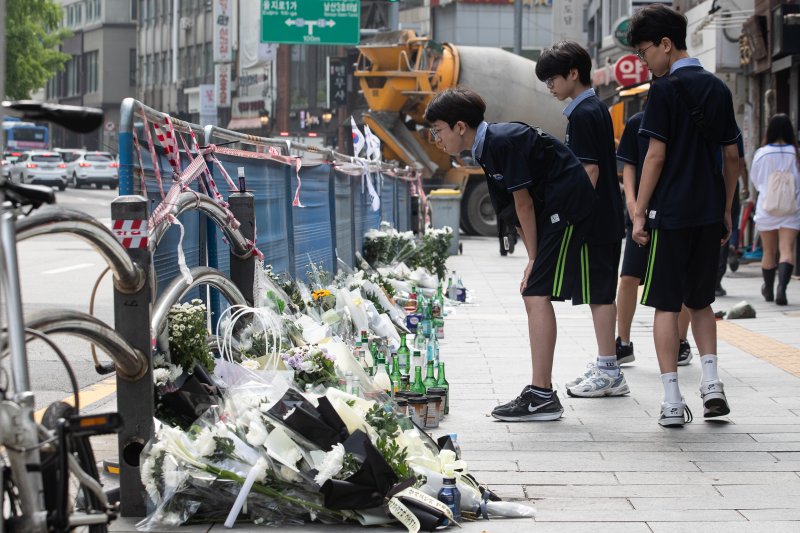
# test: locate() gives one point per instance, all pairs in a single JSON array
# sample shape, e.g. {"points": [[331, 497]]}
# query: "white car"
{"points": [[94, 168], [6, 160], [41, 167]]}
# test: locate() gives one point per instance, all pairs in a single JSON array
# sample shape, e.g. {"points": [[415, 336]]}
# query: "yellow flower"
{"points": [[321, 293]]}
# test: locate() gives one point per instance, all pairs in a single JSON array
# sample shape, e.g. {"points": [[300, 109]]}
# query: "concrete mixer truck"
{"points": [[399, 73]]}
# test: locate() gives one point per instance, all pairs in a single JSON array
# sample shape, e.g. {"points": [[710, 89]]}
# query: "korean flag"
{"points": [[358, 138]]}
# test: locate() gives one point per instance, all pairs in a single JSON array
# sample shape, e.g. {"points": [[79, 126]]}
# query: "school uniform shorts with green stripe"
{"points": [[556, 268], [682, 267], [598, 273]]}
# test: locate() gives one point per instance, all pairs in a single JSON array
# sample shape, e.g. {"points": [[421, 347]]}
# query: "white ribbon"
{"points": [[185, 272], [404, 514]]}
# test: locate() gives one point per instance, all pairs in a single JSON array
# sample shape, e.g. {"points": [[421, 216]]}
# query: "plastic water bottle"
{"points": [[451, 497]]}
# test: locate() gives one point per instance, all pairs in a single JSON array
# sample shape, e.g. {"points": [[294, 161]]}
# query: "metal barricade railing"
{"points": [[296, 233]]}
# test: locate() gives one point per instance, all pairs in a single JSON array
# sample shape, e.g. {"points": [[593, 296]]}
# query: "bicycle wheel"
{"points": [[79, 499]]}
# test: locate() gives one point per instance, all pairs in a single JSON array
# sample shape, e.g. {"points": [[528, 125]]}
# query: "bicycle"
{"points": [[43, 465]]}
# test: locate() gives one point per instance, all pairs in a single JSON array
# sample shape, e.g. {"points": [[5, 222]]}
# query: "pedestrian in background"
{"points": [[536, 184], [778, 230], [566, 70], [683, 208]]}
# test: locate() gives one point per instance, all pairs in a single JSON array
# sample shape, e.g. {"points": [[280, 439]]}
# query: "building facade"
{"points": [[101, 69]]}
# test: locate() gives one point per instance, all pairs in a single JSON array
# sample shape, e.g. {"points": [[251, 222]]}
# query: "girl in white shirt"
{"points": [[778, 233]]}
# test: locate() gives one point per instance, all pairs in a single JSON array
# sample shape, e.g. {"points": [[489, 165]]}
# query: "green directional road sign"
{"points": [[310, 21]]}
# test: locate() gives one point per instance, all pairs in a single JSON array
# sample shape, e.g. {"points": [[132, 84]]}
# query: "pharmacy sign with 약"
{"points": [[311, 21], [628, 70]]}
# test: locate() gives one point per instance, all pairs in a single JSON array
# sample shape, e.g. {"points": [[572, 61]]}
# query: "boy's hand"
{"points": [[525, 275], [631, 205], [728, 228], [640, 235]]}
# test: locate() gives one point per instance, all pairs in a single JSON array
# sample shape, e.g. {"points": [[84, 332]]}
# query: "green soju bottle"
{"points": [[395, 376], [441, 381], [430, 379], [404, 356], [418, 385]]}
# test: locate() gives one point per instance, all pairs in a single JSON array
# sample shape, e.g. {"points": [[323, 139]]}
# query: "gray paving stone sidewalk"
{"points": [[607, 465]]}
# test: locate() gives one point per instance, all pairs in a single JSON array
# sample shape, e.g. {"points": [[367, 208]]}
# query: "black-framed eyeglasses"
{"points": [[549, 82], [640, 53]]}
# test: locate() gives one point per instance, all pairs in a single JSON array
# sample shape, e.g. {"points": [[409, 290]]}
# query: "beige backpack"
{"points": [[780, 198]]}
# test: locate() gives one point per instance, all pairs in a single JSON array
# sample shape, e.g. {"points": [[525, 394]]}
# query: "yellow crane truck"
{"points": [[399, 73]]}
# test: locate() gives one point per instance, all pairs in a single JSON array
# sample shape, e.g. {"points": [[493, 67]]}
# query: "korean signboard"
{"points": [[223, 31], [222, 84], [337, 82]]}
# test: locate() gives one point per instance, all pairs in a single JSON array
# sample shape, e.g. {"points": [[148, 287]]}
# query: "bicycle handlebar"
{"points": [[75, 118]]}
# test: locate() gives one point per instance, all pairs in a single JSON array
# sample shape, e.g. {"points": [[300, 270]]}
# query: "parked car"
{"points": [[94, 168], [40, 167], [6, 161]]}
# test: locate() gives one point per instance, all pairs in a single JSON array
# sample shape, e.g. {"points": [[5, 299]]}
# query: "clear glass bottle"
{"points": [[355, 388]]}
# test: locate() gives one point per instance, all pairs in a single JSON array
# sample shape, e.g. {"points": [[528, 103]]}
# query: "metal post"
{"points": [[132, 321], [3, 66], [394, 16], [243, 207], [518, 27]]}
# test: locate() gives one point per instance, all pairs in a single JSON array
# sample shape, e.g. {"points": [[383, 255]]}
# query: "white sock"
{"points": [[608, 364], [672, 392], [708, 363], [623, 343]]}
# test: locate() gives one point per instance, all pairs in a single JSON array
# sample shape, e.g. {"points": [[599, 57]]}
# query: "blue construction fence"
{"points": [[335, 215]]}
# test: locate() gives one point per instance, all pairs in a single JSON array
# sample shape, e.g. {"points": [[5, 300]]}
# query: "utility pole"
{"points": [[518, 27]]}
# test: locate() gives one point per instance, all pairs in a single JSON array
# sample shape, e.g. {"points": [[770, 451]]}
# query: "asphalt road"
{"points": [[60, 271]]}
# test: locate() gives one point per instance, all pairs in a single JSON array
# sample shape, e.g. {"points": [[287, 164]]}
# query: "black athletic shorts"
{"points": [[682, 267], [556, 267], [598, 274], [634, 258]]}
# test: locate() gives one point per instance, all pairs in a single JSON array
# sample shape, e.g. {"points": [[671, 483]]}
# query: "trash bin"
{"points": [[446, 211]]}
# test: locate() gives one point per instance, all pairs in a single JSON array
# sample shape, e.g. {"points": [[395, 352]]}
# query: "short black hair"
{"points": [[457, 104], [563, 57], [656, 21]]}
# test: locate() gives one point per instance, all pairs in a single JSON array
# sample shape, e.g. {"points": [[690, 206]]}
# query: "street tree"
{"points": [[32, 40]]}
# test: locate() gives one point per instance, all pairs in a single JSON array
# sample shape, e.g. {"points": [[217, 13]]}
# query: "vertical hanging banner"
{"points": [[222, 84], [311, 21], [223, 49]]}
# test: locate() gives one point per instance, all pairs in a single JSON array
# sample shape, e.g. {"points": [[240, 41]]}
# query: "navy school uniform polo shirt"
{"points": [[633, 147], [590, 136], [516, 156], [691, 190]]}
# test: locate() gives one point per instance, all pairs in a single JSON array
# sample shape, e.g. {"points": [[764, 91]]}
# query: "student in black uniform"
{"points": [[536, 184], [566, 69], [683, 209], [631, 151]]}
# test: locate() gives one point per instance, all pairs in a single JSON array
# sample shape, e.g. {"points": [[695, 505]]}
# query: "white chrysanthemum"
{"points": [[256, 432], [160, 376], [204, 443], [251, 364], [331, 465]]}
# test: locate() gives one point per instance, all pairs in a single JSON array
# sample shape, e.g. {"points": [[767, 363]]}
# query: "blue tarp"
{"points": [[313, 231]]}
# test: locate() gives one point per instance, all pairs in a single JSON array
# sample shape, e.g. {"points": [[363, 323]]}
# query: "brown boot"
{"points": [[784, 276]]}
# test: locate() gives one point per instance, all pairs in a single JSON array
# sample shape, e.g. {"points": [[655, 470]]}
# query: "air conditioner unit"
{"points": [[785, 37], [186, 23]]}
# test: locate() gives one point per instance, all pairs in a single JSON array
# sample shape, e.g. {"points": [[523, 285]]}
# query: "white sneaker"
{"points": [[600, 384], [714, 401], [591, 367], [674, 414]]}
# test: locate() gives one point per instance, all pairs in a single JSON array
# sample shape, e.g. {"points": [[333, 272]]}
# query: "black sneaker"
{"points": [[719, 291], [684, 353], [624, 353], [529, 406]]}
